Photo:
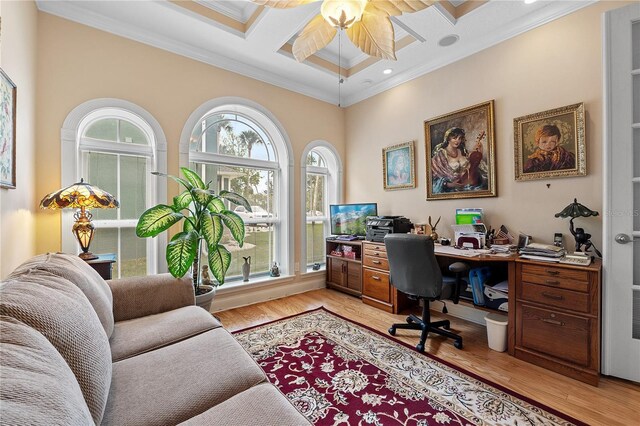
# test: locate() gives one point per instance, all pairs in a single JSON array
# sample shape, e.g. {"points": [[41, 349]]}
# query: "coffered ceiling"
{"points": [[256, 41]]}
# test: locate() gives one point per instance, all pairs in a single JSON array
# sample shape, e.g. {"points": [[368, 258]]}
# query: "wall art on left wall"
{"points": [[7, 132]]}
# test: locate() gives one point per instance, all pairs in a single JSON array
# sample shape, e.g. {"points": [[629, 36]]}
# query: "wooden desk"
{"points": [[554, 309]]}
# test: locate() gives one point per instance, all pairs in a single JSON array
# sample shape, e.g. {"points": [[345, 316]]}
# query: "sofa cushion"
{"points": [[37, 386], [262, 404], [179, 381], [79, 273], [60, 311], [139, 335]]}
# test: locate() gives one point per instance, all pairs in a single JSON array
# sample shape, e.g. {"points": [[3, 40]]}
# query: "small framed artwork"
{"points": [[7, 132], [460, 151], [398, 166], [550, 144]]}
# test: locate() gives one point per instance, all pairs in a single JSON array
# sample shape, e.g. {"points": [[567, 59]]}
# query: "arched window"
{"points": [[115, 145], [321, 185], [240, 147]]}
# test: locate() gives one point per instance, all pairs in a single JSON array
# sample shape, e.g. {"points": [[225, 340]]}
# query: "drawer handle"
{"points": [[377, 262], [554, 282], [554, 322], [377, 254], [375, 277], [552, 296], [552, 272]]}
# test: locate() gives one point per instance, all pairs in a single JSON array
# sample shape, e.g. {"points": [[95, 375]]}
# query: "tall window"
{"points": [[322, 182], [116, 151], [236, 147]]}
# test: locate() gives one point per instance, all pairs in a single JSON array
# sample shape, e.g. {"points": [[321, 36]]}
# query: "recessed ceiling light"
{"points": [[529, 1], [448, 40], [367, 82], [387, 71]]}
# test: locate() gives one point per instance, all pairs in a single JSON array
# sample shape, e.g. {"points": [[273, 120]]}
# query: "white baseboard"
{"points": [[248, 296]]}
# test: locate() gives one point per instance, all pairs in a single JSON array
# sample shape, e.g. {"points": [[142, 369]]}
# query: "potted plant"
{"points": [[204, 217]]}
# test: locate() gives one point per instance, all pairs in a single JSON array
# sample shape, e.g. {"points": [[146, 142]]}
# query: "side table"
{"points": [[103, 264]]}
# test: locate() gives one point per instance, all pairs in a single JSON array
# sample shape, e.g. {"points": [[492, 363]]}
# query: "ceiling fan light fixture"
{"points": [[342, 13]]}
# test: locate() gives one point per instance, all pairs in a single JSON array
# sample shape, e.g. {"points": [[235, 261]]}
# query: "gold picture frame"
{"points": [[398, 166], [550, 144], [455, 170]]}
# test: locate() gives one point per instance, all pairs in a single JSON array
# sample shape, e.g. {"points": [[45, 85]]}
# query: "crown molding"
{"points": [[69, 10], [532, 21]]}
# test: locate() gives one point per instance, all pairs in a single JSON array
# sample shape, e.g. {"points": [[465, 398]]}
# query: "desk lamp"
{"points": [[574, 210], [81, 196]]}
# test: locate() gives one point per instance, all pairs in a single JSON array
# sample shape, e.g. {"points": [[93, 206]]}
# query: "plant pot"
{"points": [[206, 299]]}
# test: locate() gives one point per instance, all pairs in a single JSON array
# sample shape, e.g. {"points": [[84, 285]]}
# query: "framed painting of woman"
{"points": [[398, 166], [460, 151], [550, 144]]}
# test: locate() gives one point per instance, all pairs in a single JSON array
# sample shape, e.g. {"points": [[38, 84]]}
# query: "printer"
{"points": [[379, 226]]}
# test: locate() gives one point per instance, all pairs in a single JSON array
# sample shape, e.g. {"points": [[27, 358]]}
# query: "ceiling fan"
{"points": [[366, 23]]}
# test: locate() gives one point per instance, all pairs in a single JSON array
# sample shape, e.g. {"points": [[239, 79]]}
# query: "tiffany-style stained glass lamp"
{"points": [[81, 196]]}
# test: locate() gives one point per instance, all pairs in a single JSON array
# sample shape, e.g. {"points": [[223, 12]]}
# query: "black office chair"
{"points": [[414, 270]]}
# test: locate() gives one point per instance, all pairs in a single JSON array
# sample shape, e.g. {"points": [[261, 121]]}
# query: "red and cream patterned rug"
{"points": [[339, 372]]}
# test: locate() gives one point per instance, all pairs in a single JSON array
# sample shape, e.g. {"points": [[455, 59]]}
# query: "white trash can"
{"points": [[497, 331]]}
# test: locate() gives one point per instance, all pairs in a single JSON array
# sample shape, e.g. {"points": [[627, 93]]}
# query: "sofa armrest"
{"points": [[137, 297]]}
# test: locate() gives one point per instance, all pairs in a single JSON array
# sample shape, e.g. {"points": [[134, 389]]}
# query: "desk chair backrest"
{"points": [[413, 268]]}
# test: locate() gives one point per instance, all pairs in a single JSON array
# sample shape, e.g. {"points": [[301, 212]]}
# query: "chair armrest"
{"points": [[137, 297]]}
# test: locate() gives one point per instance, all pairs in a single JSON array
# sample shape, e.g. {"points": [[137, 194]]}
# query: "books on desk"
{"points": [[543, 252]]}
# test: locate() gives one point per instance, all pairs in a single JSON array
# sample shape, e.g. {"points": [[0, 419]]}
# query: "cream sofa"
{"points": [[76, 350]]}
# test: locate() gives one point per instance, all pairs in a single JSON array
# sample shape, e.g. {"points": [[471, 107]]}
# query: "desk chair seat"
{"points": [[414, 270]]}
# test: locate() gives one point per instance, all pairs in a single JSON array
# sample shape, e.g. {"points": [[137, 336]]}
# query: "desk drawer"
{"points": [[560, 335], [375, 253], [376, 262], [375, 246], [571, 279], [376, 285], [557, 297]]}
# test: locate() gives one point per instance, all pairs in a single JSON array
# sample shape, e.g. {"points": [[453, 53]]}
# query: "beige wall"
{"points": [[78, 63], [552, 66], [17, 206]]}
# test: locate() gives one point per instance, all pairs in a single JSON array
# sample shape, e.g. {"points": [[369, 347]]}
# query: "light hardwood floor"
{"points": [[613, 402]]}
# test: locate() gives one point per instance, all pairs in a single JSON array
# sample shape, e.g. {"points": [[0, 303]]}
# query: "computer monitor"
{"points": [[468, 216], [350, 219]]}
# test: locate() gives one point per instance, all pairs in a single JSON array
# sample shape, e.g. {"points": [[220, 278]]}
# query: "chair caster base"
{"points": [[420, 347], [458, 344], [392, 331]]}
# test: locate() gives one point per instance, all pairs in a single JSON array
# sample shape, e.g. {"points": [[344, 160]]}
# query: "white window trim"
{"points": [[284, 247], [71, 163], [334, 187]]}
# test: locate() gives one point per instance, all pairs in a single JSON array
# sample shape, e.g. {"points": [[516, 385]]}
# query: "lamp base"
{"points": [[87, 256]]}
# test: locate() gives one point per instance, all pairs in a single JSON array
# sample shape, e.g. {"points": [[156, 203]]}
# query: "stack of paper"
{"points": [[539, 251], [503, 248]]}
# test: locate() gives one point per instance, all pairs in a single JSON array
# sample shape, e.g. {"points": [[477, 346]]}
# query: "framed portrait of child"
{"points": [[398, 166], [550, 144]]}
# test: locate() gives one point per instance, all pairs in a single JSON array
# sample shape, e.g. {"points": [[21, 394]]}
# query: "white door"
{"points": [[621, 284]]}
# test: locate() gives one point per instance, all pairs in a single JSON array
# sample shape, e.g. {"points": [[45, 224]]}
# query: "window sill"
{"points": [[236, 286], [311, 272]]}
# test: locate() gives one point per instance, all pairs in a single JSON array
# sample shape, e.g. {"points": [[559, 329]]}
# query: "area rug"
{"points": [[338, 372]]}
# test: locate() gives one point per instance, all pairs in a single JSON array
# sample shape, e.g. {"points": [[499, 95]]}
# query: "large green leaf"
{"points": [[216, 205], [188, 225], [157, 219], [202, 196], [219, 261], [182, 201], [181, 251], [236, 199], [211, 228], [176, 178], [193, 178], [235, 225]]}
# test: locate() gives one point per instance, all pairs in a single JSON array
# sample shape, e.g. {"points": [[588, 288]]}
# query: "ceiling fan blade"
{"points": [[282, 4], [398, 7], [374, 34], [316, 35]]}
